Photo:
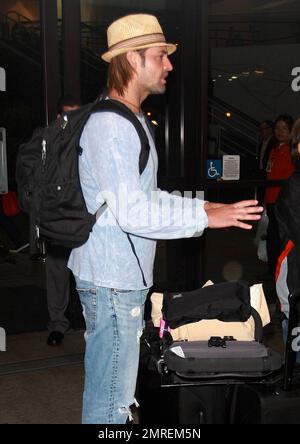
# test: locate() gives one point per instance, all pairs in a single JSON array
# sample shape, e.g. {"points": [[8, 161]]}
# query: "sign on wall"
{"points": [[231, 167], [213, 169]]}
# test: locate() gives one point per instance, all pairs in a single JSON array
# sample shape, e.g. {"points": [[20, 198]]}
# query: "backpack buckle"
{"points": [[64, 122]]}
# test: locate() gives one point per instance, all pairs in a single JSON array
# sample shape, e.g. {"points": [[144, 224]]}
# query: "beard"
{"points": [[158, 89]]}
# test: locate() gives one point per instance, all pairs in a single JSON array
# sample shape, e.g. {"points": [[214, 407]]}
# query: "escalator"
{"points": [[20, 49], [233, 132]]}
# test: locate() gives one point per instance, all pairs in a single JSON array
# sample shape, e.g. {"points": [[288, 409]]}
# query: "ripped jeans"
{"points": [[114, 323]]}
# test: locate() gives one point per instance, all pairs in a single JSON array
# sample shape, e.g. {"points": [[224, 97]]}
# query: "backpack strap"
{"points": [[258, 329], [117, 107]]}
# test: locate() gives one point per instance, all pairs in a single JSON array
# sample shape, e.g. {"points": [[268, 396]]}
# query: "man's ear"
{"points": [[133, 59]]}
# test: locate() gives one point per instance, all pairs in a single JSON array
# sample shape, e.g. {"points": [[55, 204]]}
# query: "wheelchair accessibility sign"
{"points": [[213, 169]]}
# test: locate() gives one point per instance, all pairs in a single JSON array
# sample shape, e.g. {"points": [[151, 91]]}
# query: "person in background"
{"points": [[267, 142], [66, 104], [288, 217], [279, 167], [114, 268], [57, 272]]}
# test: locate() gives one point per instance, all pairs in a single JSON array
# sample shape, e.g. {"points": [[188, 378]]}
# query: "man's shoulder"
{"points": [[109, 121], [107, 126]]}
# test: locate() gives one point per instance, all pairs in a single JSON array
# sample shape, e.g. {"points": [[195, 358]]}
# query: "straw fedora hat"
{"points": [[132, 32]]}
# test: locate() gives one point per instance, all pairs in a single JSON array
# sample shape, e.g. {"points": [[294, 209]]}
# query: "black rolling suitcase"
{"points": [[219, 357], [273, 403], [163, 402], [167, 403], [194, 389], [162, 405]]}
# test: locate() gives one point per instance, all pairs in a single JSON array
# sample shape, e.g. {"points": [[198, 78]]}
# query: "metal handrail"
{"points": [[18, 16], [243, 183], [34, 25], [221, 187], [236, 147], [234, 110], [240, 132], [238, 127]]}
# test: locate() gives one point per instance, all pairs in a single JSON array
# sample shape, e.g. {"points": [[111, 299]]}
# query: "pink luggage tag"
{"points": [[162, 328]]}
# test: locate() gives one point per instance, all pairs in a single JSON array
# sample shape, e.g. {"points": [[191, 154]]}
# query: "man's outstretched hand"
{"points": [[232, 215]]}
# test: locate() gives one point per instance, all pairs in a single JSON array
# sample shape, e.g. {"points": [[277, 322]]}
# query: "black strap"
{"points": [[118, 108], [137, 258], [258, 327]]}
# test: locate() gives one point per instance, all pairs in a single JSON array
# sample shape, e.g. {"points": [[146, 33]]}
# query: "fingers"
{"points": [[246, 216], [239, 224], [233, 215], [251, 210], [243, 226], [241, 210], [246, 203], [247, 213]]}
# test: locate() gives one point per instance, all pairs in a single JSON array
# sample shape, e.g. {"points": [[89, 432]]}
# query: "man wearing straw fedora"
{"points": [[113, 269]]}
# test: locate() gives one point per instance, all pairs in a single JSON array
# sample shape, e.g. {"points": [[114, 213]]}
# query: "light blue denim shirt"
{"points": [[109, 171]]}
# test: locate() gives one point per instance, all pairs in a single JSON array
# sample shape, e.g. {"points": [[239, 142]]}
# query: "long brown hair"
{"points": [[120, 72]]}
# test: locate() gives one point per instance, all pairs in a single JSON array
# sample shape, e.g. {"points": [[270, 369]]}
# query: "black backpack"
{"points": [[47, 175]]}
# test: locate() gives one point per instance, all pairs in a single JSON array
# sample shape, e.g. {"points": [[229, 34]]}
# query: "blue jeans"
{"points": [[114, 323]]}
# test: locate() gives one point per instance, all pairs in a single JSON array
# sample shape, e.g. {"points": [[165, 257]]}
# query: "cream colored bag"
{"points": [[203, 330]]}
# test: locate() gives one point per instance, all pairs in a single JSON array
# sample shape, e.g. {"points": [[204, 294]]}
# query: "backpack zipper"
{"points": [[44, 153], [44, 157], [65, 122]]}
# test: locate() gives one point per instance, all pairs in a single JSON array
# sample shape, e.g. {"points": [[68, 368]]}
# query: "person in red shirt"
{"points": [[279, 167]]}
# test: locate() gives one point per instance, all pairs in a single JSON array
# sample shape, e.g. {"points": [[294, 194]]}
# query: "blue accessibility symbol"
{"points": [[214, 168]]}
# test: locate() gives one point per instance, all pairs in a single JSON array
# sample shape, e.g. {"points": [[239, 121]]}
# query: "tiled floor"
{"points": [[49, 396], [41, 384]]}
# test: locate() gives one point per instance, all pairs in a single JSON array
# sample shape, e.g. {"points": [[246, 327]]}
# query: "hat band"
{"points": [[139, 41]]}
